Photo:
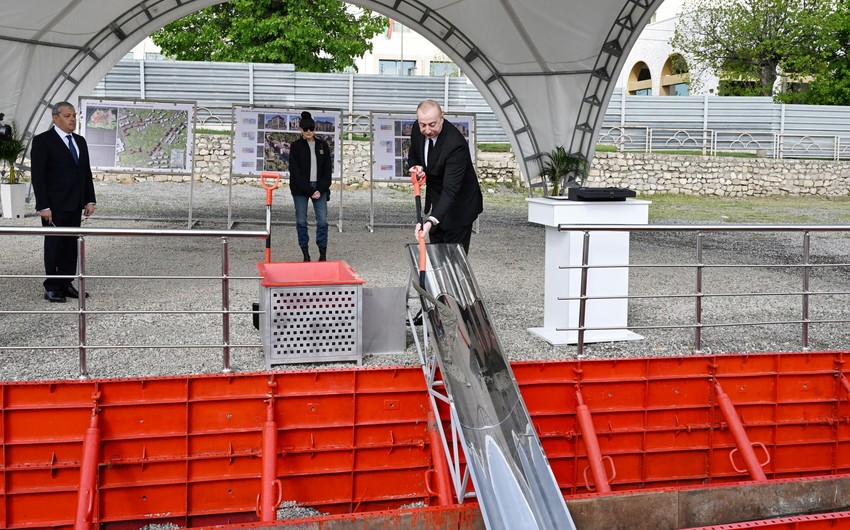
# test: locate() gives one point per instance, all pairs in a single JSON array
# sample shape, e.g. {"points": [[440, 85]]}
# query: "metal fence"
{"points": [[798, 292], [84, 344], [710, 124], [807, 265]]}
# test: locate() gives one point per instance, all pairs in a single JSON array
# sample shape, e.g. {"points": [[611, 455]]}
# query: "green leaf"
{"points": [[314, 35]]}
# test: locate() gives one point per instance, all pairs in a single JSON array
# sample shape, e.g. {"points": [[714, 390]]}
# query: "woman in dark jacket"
{"points": [[310, 180]]}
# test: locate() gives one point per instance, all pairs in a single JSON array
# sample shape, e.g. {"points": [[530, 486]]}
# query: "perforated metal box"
{"points": [[312, 312]]}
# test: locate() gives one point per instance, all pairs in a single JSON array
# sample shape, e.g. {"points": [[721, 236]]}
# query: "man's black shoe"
{"points": [[71, 292], [417, 320], [54, 296]]}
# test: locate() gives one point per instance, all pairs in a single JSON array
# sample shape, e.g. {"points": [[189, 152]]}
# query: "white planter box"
{"points": [[565, 249], [13, 199]]}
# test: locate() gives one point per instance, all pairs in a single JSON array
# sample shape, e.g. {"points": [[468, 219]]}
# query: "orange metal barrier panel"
{"points": [[189, 450]]}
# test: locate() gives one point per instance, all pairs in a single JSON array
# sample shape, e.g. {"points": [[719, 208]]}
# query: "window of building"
{"points": [[640, 80], [153, 56], [394, 67], [679, 89], [444, 69], [674, 76]]}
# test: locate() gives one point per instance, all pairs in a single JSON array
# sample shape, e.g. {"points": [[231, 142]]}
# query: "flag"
{"points": [[389, 33]]}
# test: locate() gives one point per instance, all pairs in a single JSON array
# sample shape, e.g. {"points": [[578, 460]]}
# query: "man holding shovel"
{"points": [[453, 197]]}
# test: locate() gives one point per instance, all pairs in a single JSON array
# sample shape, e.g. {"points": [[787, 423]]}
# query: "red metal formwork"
{"points": [[189, 450], [659, 422]]}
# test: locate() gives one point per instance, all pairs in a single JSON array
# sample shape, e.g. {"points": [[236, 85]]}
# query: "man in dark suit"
{"points": [[63, 186], [452, 195]]}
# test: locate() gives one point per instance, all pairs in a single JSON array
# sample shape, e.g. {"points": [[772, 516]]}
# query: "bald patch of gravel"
{"points": [[507, 257]]}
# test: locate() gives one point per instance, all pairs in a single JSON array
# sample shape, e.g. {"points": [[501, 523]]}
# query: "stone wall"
{"points": [[644, 173], [721, 176]]}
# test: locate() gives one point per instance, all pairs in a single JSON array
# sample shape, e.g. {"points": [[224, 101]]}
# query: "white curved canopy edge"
{"points": [[546, 67]]}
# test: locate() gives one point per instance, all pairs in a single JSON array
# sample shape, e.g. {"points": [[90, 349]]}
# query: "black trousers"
{"points": [[60, 252], [462, 235]]}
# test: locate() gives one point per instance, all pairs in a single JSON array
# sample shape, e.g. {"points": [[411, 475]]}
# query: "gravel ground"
{"points": [[507, 257]]}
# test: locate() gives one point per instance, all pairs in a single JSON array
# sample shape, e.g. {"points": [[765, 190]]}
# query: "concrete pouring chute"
{"points": [[513, 481]]}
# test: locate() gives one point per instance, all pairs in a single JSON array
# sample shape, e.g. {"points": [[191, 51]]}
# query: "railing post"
{"points": [[807, 238], [582, 302], [81, 304], [698, 296], [225, 305]]}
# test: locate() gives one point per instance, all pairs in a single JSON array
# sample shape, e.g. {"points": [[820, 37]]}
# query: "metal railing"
{"points": [[581, 297], [699, 296], [713, 141], [82, 277]]}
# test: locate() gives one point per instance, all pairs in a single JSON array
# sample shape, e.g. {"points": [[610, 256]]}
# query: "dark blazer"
{"points": [[299, 167], [58, 183], [452, 193]]}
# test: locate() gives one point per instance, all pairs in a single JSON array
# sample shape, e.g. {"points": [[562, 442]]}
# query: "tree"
{"points": [[827, 65], [748, 43], [314, 35]]}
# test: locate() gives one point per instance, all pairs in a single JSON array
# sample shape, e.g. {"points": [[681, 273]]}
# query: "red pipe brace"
{"points": [[441, 464], [268, 501], [88, 475], [591, 444], [742, 441]]}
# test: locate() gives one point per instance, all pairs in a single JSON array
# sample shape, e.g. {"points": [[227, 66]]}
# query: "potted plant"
{"points": [[12, 193], [563, 169]]}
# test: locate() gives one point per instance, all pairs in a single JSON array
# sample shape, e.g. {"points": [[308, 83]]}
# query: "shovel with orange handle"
{"points": [[417, 182], [269, 180]]}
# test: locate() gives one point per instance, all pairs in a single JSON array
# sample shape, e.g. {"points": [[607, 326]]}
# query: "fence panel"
{"points": [[753, 124]]}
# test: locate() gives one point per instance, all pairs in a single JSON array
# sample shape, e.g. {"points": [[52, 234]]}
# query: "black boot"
{"points": [[306, 250], [323, 253]]}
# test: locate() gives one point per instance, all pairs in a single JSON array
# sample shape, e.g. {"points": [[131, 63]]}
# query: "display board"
{"points": [[262, 136], [150, 136], [391, 141]]}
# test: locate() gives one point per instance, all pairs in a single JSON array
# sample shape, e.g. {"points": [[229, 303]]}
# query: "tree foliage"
{"points": [[314, 35], [749, 43], [823, 74]]}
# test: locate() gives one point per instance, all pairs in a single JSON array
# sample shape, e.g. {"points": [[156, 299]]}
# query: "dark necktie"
{"points": [[430, 157], [72, 149]]}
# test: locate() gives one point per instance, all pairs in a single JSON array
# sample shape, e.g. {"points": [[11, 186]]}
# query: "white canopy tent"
{"points": [[546, 67]]}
